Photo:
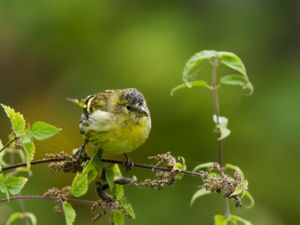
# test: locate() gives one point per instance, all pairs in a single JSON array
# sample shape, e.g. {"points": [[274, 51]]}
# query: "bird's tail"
{"points": [[77, 102]]}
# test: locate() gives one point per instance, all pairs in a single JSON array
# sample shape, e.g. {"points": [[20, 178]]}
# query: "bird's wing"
{"points": [[101, 121]]}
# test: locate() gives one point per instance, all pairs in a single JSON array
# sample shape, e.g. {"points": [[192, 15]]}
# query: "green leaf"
{"points": [[118, 217], [220, 220], [193, 65], [119, 191], [221, 126], [17, 119], [234, 219], [232, 61], [203, 166], [112, 172], [41, 130], [29, 149], [79, 185], [20, 216], [199, 193], [3, 187], [70, 214], [241, 188], [94, 166], [238, 80], [198, 83], [128, 208], [251, 199], [15, 184]]}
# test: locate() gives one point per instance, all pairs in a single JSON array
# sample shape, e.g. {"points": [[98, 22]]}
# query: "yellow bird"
{"points": [[117, 121]]}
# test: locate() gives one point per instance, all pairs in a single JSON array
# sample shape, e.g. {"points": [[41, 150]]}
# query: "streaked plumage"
{"points": [[117, 121]]}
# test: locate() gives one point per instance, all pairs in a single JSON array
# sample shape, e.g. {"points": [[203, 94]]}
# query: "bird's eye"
{"points": [[129, 107]]}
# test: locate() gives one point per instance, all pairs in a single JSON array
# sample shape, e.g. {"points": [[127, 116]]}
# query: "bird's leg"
{"points": [[128, 163], [81, 152]]}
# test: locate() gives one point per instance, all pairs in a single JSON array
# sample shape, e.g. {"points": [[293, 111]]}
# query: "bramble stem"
{"points": [[137, 165], [215, 62], [7, 144]]}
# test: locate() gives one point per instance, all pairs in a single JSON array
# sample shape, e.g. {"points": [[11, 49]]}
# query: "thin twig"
{"points": [[41, 197], [7, 144], [136, 165], [215, 62]]}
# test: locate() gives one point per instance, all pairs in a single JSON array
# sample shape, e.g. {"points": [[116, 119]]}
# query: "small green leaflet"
{"points": [[234, 219], [118, 217], [198, 83], [221, 126], [70, 214], [112, 172], [232, 61], [79, 185], [229, 59], [17, 119], [248, 195], [203, 166], [41, 130], [238, 80], [193, 65], [10, 184], [199, 193], [90, 171], [20, 216], [241, 188], [220, 220]]}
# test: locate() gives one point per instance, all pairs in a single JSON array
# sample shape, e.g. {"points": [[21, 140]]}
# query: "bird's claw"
{"points": [[128, 163]]}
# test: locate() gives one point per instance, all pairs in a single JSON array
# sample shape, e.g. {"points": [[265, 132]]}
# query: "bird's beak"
{"points": [[142, 111]]}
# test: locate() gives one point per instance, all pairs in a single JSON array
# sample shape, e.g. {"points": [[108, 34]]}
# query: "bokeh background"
{"points": [[53, 49]]}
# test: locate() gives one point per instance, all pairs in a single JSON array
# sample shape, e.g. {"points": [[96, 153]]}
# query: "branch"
{"points": [[215, 62], [137, 165], [41, 197], [7, 144]]}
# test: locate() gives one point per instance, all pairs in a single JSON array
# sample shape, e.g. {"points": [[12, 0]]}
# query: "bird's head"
{"points": [[134, 104]]}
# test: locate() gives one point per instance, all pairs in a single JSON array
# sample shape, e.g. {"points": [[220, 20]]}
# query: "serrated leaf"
{"points": [[199, 193], [232, 61], [3, 187], [220, 220], [128, 208], [112, 172], [203, 166], [41, 130], [29, 149], [79, 185], [119, 191], [69, 212], [118, 217], [17, 119], [14, 184], [193, 65], [251, 199], [198, 83], [20, 216], [94, 166], [234, 219], [238, 80]]}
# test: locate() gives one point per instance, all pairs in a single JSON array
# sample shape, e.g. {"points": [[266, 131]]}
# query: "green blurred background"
{"points": [[50, 50]]}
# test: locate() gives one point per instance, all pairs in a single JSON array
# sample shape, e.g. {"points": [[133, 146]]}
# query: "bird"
{"points": [[116, 121]]}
